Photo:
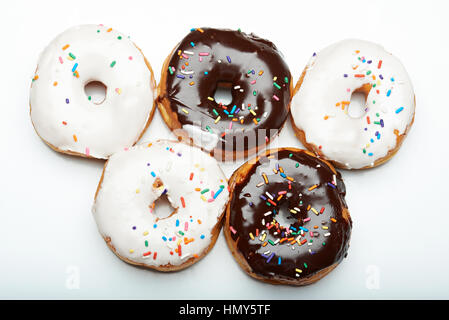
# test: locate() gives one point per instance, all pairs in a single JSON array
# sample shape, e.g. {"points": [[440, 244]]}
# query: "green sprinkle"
{"points": [[146, 243], [98, 31], [119, 37], [72, 56], [297, 165], [286, 80], [89, 97], [204, 191], [305, 265], [181, 233], [271, 242], [113, 63], [368, 73], [209, 129], [364, 150], [170, 70], [276, 85], [254, 92], [215, 111], [324, 243], [290, 155]]}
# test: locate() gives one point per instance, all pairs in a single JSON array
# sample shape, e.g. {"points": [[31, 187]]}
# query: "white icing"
{"points": [[341, 137], [99, 130], [127, 193]]}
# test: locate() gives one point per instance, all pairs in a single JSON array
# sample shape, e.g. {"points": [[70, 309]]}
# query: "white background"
{"points": [[400, 240]]}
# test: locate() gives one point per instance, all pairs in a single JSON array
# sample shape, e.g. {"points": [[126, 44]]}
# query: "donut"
{"points": [[67, 119], [287, 221], [250, 68], [322, 96], [126, 204]]}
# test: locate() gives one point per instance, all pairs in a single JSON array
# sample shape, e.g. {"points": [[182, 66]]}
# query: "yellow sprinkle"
{"points": [[218, 119], [251, 236], [253, 113], [275, 78], [314, 211], [137, 190], [293, 211], [264, 236], [203, 198], [145, 233], [265, 178], [298, 270], [308, 207], [185, 110], [325, 228], [131, 250], [202, 169], [210, 98]]}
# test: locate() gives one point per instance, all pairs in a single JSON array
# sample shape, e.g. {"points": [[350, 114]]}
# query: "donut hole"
{"points": [[357, 105], [162, 208], [95, 91], [223, 93]]}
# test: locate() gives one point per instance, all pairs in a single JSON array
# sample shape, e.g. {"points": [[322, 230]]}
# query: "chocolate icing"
{"points": [[235, 58], [247, 209]]}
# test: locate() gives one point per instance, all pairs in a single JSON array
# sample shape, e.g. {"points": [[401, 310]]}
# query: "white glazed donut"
{"points": [[126, 198], [62, 114], [320, 106]]}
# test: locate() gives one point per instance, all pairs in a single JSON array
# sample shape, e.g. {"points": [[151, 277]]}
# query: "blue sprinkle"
{"points": [[263, 197], [382, 123], [392, 79], [192, 44], [293, 228], [229, 59], [233, 109], [225, 111], [164, 238], [153, 174], [202, 236], [279, 260], [74, 67], [270, 257], [154, 226], [283, 175], [67, 101], [217, 193], [370, 154], [331, 185], [304, 229], [399, 109], [345, 75], [180, 76], [388, 93], [206, 73], [177, 222]]}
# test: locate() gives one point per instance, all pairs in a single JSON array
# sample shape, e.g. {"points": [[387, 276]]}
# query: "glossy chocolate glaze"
{"points": [[242, 61], [247, 211]]}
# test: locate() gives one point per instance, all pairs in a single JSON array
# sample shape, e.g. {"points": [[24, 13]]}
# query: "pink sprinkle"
{"points": [[348, 90], [306, 219], [87, 151], [275, 97], [230, 125], [60, 60], [126, 149], [201, 59], [210, 200], [173, 69], [253, 82], [130, 58], [311, 233], [204, 53], [232, 230], [282, 192], [185, 56], [186, 226]]}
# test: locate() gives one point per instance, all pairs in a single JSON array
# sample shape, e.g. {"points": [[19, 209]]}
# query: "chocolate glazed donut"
{"points": [[250, 67], [287, 221]]}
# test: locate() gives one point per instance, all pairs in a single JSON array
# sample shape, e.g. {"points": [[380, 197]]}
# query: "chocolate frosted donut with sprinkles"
{"points": [[287, 221], [322, 114], [248, 68]]}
